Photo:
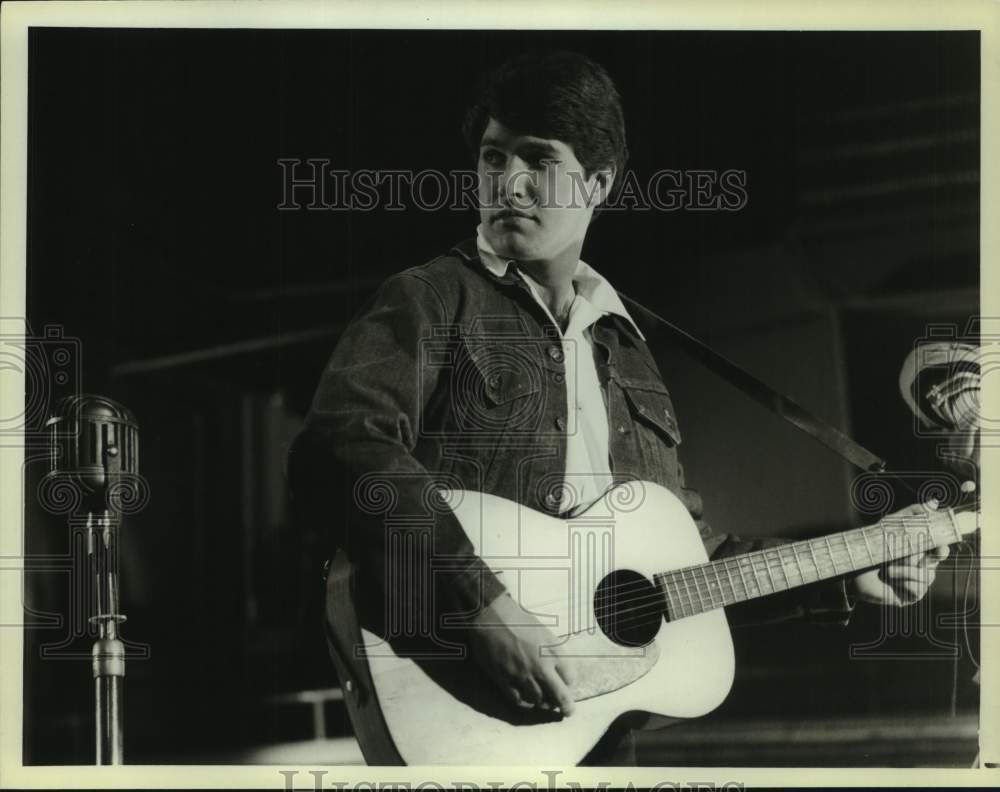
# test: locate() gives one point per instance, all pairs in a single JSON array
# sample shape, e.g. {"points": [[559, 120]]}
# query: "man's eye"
{"points": [[492, 158]]}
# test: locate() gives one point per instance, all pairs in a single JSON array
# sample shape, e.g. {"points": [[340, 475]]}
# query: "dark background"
{"points": [[154, 238]]}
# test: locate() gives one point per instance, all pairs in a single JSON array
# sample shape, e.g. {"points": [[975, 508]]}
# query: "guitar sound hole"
{"points": [[629, 608]]}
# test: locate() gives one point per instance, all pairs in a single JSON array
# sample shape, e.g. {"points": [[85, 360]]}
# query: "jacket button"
{"points": [[560, 423], [621, 429], [556, 354], [558, 379]]}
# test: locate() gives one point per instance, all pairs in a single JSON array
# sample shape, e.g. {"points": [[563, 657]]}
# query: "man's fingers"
{"points": [[939, 554], [909, 582], [566, 669], [926, 560], [531, 691], [909, 591], [515, 696], [905, 575], [932, 557], [557, 692]]}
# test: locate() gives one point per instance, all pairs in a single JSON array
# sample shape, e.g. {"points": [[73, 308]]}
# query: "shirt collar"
{"points": [[587, 281]]}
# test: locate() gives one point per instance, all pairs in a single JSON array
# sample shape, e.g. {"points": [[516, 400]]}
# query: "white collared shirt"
{"points": [[588, 468]]}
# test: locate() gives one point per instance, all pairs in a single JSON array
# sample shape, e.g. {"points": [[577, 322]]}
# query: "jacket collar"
{"points": [[588, 281]]}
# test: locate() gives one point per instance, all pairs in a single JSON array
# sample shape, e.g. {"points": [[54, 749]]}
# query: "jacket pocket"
{"points": [[498, 388], [650, 406]]}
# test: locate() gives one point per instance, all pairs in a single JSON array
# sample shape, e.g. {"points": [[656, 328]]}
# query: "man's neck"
{"points": [[554, 280]]}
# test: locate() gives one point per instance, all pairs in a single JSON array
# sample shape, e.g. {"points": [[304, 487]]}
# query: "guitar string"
{"points": [[656, 612], [707, 597], [654, 608], [674, 588], [632, 617], [661, 601], [766, 557], [903, 524], [704, 593], [680, 613], [701, 588]]}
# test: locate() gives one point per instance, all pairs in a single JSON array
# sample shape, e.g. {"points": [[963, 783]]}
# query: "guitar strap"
{"points": [[740, 378], [767, 397]]}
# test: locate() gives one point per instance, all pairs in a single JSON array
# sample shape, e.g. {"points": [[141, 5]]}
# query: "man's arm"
{"points": [[363, 428]]}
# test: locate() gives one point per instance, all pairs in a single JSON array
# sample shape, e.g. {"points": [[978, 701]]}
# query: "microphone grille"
{"points": [[940, 382], [86, 427]]}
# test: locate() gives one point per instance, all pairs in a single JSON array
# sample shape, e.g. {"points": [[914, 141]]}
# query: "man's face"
{"points": [[535, 201]]}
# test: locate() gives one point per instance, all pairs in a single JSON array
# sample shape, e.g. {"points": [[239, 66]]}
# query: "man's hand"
{"points": [[901, 582], [508, 642]]}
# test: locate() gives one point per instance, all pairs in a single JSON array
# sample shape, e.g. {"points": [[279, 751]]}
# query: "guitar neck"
{"points": [[693, 590]]}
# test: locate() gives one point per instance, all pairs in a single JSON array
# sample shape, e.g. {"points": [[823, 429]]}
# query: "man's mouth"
{"points": [[508, 214]]}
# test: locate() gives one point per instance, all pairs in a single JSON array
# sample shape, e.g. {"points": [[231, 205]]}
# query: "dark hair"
{"points": [[557, 95]]}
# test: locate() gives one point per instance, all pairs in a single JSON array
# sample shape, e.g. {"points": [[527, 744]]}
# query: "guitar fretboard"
{"points": [[693, 590]]}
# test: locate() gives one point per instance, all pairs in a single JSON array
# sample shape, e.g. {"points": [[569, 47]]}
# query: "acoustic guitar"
{"points": [[627, 589]]}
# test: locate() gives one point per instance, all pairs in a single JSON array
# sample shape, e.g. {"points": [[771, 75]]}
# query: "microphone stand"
{"points": [[94, 447], [108, 653]]}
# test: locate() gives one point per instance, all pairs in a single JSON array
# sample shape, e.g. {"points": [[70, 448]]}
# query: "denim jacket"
{"points": [[454, 377]]}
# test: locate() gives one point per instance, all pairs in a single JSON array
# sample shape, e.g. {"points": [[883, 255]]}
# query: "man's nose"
{"points": [[518, 186]]}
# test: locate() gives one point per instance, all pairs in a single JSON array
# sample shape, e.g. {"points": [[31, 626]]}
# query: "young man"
{"points": [[509, 366]]}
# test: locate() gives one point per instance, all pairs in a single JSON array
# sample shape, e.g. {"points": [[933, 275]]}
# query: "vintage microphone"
{"points": [[941, 383], [93, 447]]}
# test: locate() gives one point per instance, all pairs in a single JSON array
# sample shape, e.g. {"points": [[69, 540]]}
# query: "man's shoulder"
{"points": [[460, 259], [452, 283], [456, 269]]}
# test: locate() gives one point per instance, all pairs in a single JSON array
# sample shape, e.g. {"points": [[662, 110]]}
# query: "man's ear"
{"points": [[604, 179]]}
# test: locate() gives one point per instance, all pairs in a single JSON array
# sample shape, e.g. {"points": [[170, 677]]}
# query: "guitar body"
{"points": [[589, 579]]}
